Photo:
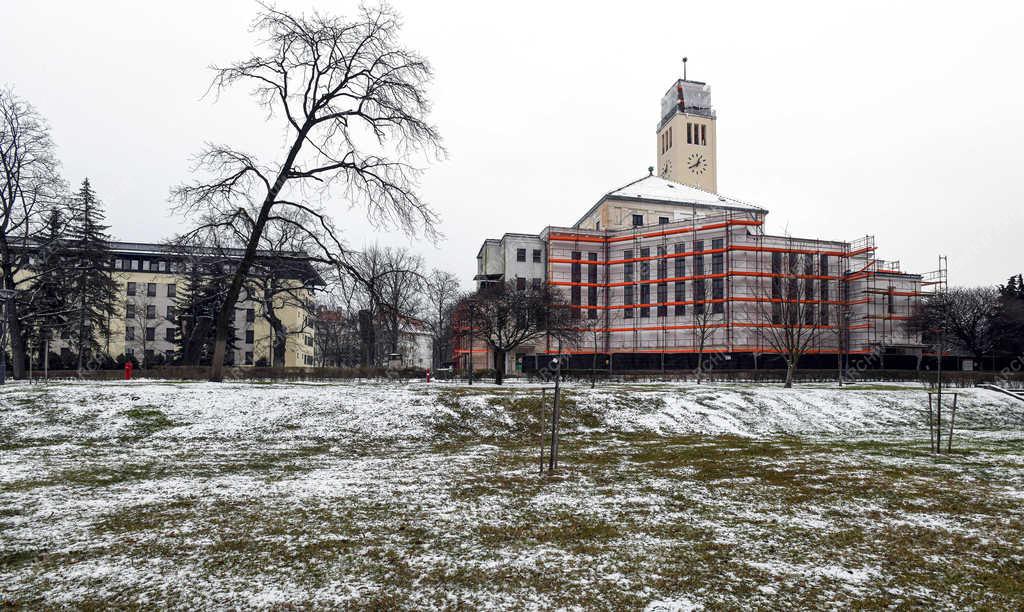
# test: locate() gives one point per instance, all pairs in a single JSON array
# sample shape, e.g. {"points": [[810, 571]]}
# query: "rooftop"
{"points": [[656, 189]]}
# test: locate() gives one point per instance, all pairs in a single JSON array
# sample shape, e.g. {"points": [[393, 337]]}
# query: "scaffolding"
{"points": [[860, 303]]}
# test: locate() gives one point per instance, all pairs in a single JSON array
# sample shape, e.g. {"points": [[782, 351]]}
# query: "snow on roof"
{"points": [[656, 188]]}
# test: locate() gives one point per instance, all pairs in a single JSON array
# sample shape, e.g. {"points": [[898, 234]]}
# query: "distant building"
{"points": [[150, 278], [642, 266]]}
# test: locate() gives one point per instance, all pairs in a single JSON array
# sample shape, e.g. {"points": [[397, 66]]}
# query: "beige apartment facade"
{"points": [[150, 277]]}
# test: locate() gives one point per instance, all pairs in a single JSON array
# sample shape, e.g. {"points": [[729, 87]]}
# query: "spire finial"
{"points": [[684, 68]]}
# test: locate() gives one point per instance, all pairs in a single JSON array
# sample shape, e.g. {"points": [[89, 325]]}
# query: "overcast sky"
{"points": [[902, 120]]}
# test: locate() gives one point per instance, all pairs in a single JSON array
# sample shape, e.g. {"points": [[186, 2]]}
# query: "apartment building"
{"points": [[150, 277], [664, 268]]}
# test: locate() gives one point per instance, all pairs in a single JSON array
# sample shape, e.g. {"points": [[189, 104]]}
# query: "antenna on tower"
{"points": [[684, 68]]}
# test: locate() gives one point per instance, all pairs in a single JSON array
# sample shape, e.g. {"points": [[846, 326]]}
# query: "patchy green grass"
{"points": [[306, 516]]}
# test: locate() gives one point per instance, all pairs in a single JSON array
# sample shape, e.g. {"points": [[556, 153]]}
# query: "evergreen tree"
{"points": [[91, 292], [47, 295], [199, 298]]}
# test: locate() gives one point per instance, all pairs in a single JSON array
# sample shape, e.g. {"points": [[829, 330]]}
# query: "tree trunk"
{"points": [[700, 364], [499, 366], [16, 336], [227, 310], [790, 368]]}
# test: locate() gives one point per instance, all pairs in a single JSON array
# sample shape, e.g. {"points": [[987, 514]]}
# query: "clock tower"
{"points": [[686, 136]]}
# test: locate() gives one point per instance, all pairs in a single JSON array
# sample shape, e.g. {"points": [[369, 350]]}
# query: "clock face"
{"points": [[697, 163], [666, 169]]}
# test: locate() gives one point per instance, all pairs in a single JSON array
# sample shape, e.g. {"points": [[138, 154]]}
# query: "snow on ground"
{"points": [[389, 494]]}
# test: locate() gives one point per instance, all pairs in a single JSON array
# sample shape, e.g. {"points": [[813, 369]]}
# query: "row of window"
{"points": [[799, 291], [147, 265], [521, 255], [696, 133], [150, 335], [678, 295], [133, 288], [535, 283], [248, 356], [666, 140], [638, 220]]}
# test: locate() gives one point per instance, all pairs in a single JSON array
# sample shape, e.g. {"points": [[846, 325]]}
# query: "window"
{"points": [[169, 334], [248, 358], [162, 266], [592, 289], [809, 271], [520, 254], [662, 262], [680, 296], [521, 283], [645, 300], [170, 313], [823, 291], [150, 311], [718, 294], [689, 133], [150, 334], [717, 259], [662, 220], [627, 266], [536, 256], [645, 264], [680, 270], [250, 336], [703, 134], [250, 315], [638, 220], [576, 276], [129, 333], [131, 289], [136, 264], [172, 290], [662, 298], [307, 359], [627, 300], [151, 289], [129, 311], [776, 288], [535, 284]]}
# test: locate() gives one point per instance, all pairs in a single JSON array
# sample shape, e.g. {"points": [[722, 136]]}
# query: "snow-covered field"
{"points": [[384, 494]]}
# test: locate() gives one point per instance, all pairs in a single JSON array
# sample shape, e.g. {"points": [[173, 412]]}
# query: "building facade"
{"points": [[150, 277], [665, 268]]}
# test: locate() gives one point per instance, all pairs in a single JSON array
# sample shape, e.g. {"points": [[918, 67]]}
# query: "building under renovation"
{"points": [[665, 268]]}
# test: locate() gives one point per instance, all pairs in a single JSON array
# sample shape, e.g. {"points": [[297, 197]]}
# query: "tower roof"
{"points": [[693, 97]]}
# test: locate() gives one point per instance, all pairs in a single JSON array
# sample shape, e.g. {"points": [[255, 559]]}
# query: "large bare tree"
{"points": [[351, 101], [789, 312], [441, 290], [505, 317], [967, 316], [30, 185]]}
